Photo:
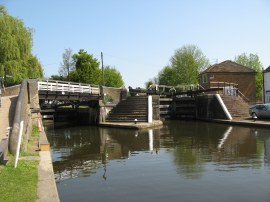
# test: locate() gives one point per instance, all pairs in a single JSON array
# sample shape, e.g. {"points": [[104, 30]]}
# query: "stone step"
{"points": [[131, 119], [236, 106], [129, 109]]}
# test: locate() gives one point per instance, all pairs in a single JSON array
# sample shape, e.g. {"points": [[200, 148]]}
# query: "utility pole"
{"points": [[102, 68]]}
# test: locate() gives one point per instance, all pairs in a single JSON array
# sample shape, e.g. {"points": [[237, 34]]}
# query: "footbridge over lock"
{"points": [[67, 91], [79, 102], [76, 100]]}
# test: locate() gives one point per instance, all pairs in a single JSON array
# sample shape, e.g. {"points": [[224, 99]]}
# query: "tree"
{"points": [[186, 64], [112, 77], [167, 76], [16, 58], [253, 61], [68, 64], [87, 68]]}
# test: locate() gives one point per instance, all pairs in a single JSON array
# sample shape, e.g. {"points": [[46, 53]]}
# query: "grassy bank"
{"points": [[19, 184]]}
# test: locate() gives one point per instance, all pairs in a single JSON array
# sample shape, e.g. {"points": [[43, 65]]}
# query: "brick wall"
{"points": [[11, 90], [246, 82]]}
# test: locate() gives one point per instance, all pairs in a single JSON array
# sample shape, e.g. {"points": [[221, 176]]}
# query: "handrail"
{"points": [[179, 88], [222, 84], [61, 86], [243, 96]]}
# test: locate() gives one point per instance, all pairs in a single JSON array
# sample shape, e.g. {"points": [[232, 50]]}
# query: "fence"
{"points": [[61, 86]]}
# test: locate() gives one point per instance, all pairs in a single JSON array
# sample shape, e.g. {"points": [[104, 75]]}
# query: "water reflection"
{"points": [[80, 151], [263, 135], [180, 151]]}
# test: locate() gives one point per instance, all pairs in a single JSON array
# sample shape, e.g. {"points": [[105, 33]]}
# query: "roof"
{"points": [[267, 70], [229, 66]]}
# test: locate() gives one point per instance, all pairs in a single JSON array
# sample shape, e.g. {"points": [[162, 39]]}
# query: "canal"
{"points": [[180, 161]]}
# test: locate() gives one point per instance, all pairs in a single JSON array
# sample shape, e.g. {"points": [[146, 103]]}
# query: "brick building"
{"points": [[231, 72]]}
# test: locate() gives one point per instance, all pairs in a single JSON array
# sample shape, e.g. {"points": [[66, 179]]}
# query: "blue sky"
{"points": [[138, 37]]}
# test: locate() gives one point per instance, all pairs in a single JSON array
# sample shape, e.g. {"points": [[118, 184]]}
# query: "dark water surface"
{"points": [[181, 161]]}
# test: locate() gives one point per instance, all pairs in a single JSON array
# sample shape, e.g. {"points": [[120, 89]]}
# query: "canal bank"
{"points": [[47, 190], [243, 122], [177, 159]]}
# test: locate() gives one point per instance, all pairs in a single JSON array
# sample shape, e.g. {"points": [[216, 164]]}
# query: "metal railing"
{"points": [[243, 96], [61, 86], [164, 89], [221, 85]]}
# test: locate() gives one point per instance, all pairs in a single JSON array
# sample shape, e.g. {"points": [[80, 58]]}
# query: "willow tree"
{"points": [[16, 58]]}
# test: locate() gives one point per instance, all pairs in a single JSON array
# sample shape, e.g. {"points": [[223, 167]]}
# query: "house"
{"points": [[266, 85], [230, 73]]}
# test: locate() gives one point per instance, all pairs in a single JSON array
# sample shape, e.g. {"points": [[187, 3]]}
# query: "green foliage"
{"points": [[186, 64], [112, 77], [84, 68], [35, 132], [150, 82], [87, 68], [15, 50], [108, 99], [19, 184], [253, 61], [58, 77], [167, 76]]}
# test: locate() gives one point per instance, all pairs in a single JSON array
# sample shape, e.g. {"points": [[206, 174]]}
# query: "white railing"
{"points": [[61, 86]]}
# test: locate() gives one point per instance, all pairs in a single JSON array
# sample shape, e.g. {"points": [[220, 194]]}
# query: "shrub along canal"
{"points": [[180, 161]]}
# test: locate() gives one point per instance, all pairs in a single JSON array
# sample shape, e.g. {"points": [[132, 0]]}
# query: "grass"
{"points": [[32, 145], [19, 184], [35, 132]]}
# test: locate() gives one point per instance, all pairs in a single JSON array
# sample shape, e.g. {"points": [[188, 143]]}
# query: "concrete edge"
{"points": [[47, 190], [250, 123], [131, 125]]}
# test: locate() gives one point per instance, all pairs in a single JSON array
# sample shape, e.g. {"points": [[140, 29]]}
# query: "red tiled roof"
{"points": [[229, 66]]}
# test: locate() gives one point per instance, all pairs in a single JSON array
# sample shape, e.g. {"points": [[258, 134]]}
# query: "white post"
{"points": [[19, 144], [150, 109], [151, 140], [224, 107]]}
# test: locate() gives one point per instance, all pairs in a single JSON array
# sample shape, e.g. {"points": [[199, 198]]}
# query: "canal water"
{"points": [[181, 161]]}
